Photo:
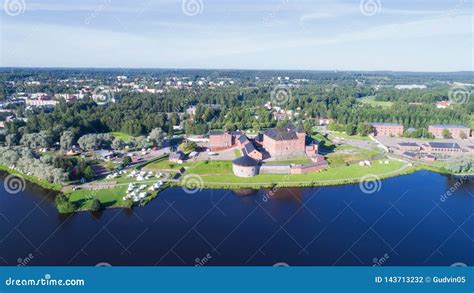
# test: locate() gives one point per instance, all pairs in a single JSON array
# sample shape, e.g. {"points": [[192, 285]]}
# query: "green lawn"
{"points": [[323, 141], [357, 154], [237, 153], [346, 136], [196, 167], [107, 197], [111, 197], [121, 135], [371, 101], [210, 167], [331, 174]]}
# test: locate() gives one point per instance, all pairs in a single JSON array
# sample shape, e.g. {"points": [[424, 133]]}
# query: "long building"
{"points": [[456, 131], [284, 143], [442, 147], [387, 129]]}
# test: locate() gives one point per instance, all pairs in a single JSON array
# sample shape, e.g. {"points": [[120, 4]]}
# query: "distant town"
{"points": [[116, 138]]}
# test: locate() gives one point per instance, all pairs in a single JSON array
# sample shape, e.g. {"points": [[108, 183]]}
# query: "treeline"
{"points": [[24, 160]]}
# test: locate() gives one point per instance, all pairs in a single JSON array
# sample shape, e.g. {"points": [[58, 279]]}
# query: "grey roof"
{"points": [[444, 145], [249, 147], [104, 153], [448, 126], [245, 161], [216, 132], [243, 138], [281, 134], [176, 155], [410, 154], [385, 124], [408, 144]]}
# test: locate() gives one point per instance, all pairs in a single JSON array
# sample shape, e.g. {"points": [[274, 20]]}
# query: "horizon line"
{"points": [[230, 69]]}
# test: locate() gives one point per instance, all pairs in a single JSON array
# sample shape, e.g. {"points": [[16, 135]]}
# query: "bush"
{"points": [[95, 205], [64, 205]]}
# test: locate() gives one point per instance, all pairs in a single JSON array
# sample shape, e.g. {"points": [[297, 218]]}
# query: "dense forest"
{"points": [[240, 105]]}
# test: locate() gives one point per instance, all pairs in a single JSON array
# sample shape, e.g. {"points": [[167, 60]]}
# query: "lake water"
{"points": [[405, 223]]}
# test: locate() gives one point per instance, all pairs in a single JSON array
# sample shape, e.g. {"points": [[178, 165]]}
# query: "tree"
{"points": [[446, 133], [308, 126], [64, 205], [461, 164], [126, 161], [462, 135], [88, 173], [11, 140], [188, 147], [350, 129], [95, 141], [156, 136], [140, 142], [110, 165], [95, 205], [118, 144], [67, 140], [36, 140], [364, 129]]}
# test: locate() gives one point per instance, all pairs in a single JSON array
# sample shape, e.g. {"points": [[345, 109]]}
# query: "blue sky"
{"points": [[278, 34]]}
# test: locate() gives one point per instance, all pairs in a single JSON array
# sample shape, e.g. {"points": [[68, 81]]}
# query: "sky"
{"points": [[398, 35]]}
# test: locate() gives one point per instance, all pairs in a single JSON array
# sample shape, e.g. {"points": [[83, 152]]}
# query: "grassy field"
{"points": [[371, 101], [197, 167], [237, 153], [112, 197], [350, 154], [123, 136], [323, 140], [346, 136], [210, 167], [331, 175]]}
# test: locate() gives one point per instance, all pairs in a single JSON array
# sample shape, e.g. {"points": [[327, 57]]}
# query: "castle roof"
{"points": [[286, 133], [245, 161]]}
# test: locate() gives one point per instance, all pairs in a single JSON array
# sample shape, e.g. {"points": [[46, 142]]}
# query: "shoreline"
{"points": [[405, 170]]}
